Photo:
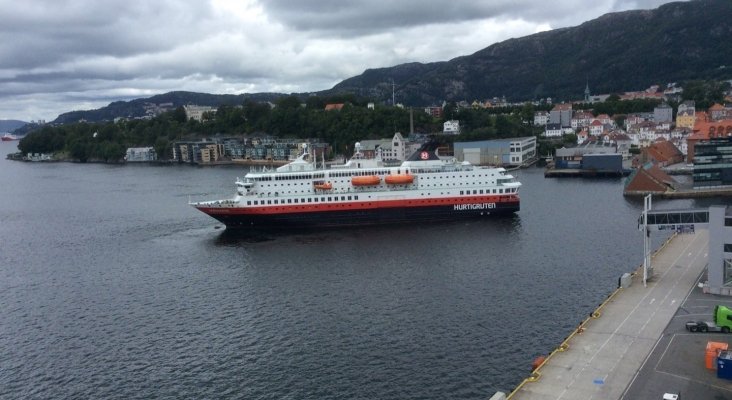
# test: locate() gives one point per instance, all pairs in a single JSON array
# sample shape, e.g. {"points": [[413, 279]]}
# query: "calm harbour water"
{"points": [[111, 286]]}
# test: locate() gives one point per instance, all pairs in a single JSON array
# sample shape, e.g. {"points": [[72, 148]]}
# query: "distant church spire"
{"points": [[587, 91]]}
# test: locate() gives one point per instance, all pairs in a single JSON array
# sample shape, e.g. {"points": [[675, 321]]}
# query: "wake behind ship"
{"points": [[365, 192]]}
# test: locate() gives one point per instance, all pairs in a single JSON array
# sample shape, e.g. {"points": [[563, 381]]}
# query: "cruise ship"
{"points": [[365, 191]]}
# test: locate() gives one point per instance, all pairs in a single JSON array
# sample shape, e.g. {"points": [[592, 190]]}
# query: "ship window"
{"points": [[356, 197], [330, 199], [249, 203], [316, 199], [269, 201], [322, 199], [256, 202], [289, 201], [461, 192], [343, 198], [500, 190], [475, 192], [481, 191], [276, 202], [349, 197], [310, 200]]}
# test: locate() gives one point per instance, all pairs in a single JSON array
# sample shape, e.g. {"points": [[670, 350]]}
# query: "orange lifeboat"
{"points": [[399, 179], [368, 180], [320, 185]]}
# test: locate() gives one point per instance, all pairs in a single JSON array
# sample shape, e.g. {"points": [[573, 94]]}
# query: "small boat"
{"points": [[399, 179], [321, 185], [8, 137], [367, 180]]}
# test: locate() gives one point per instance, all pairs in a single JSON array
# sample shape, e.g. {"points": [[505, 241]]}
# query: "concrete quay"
{"points": [[606, 357]]}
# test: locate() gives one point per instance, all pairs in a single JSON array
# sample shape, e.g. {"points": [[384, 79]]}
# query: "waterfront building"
{"points": [[571, 157], [211, 153], [706, 129], [648, 179], [719, 269], [140, 154], [711, 162], [498, 152]]}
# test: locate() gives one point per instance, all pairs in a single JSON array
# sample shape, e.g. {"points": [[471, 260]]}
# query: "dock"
{"points": [[585, 173], [606, 354]]}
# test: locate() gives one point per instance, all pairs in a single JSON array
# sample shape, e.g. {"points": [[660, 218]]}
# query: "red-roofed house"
{"points": [[663, 153], [334, 106], [717, 112], [605, 119], [596, 128]]}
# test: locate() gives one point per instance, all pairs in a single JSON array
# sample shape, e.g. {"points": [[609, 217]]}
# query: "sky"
{"points": [[63, 55]]}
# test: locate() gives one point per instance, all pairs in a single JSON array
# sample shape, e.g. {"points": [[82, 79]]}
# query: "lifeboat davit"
{"points": [[323, 185], [368, 180], [399, 179]]}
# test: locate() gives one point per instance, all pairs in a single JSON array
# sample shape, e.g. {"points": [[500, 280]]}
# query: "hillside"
{"points": [[9, 125], [135, 108], [616, 52]]}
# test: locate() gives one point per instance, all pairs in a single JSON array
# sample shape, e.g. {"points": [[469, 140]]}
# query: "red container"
{"points": [[710, 356]]}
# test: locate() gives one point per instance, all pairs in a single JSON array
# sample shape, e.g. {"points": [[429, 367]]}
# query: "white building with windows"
{"points": [[196, 112], [498, 152], [451, 127], [541, 118], [140, 154], [553, 130]]}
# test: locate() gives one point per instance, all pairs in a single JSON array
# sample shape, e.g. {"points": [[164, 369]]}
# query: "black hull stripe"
{"points": [[371, 216]]}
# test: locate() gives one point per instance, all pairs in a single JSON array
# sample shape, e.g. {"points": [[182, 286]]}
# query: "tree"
{"points": [[288, 102], [179, 115]]}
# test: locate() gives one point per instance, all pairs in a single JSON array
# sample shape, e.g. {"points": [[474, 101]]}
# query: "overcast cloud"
{"points": [[63, 55]]}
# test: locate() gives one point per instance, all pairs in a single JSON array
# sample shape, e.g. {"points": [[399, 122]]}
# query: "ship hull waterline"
{"points": [[240, 218]]}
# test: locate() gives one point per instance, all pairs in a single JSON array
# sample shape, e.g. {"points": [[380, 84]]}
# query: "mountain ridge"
{"points": [[616, 52]]}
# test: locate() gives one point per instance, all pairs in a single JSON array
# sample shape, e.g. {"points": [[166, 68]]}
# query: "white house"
{"points": [[553, 130], [541, 118], [596, 128], [581, 119], [451, 127]]}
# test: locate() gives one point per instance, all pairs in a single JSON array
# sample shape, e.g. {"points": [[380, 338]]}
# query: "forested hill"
{"points": [[617, 52], [135, 108]]}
